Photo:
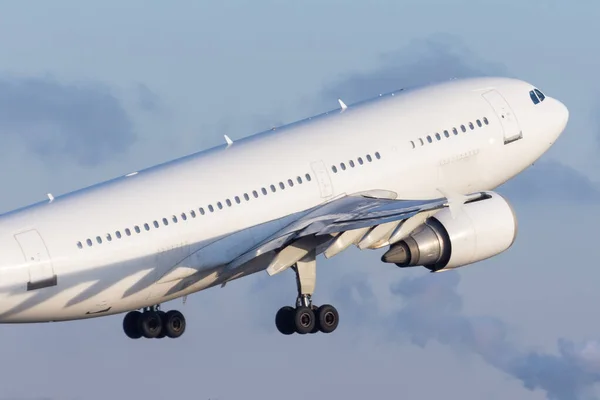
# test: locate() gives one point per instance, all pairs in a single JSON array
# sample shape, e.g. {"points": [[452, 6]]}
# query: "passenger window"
{"points": [[455, 131], [127, 232], [471, 125], [308, 178], [273, 188], [246, 197], [221, 205], [183, 216], [255, 194], [165, 222], [89, 242], [540, 95], [174, 219], [264, 191], [369, 159], [534, 98], [118, 234], [478, 123], [228, 202], [378, 155], [360, 160], [290, 182], [334, 169], [446, 134], [299, 180], [79, 245], [429, 139], [343, 166], [485, 120], [412, 144], [351, 163], [237, 200], [99, 239], [156, 224], [211, 208], [147, 227], [421, 140], [193, 213], [109, 237], [437, 136], [462, 128], [137, 229]]}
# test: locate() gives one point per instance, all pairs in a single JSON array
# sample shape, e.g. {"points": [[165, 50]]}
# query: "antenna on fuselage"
{"points": [[50, 197], [228, 140], [342, 104]]}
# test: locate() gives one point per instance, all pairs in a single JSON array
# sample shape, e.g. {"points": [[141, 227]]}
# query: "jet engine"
{"points": [[479, 230]]}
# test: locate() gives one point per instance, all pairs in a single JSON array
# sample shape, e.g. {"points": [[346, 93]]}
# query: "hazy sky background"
{"points": [[90, 91]]}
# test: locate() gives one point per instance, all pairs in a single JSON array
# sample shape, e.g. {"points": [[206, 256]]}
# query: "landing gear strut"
{"points": [[306, 317], [153, 323]]}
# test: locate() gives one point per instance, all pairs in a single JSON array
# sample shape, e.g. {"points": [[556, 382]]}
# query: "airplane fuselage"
{"points": [[130, 243]]}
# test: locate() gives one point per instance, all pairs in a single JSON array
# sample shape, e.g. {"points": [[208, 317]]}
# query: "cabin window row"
{"points": [[193, 214], [353, 164], [447, 133]]}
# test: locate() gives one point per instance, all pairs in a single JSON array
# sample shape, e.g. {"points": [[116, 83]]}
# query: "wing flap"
{"points": [[350, 218]]}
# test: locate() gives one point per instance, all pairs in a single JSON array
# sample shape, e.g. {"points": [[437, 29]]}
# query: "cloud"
{"points": [[148, 100], [431, 310], [85, 122], [551, 180]]}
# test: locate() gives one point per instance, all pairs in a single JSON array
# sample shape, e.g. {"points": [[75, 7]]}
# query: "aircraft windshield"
{"points": [[536, 96]]}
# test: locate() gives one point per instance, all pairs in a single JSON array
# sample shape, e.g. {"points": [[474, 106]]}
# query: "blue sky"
{"points": [[91, 91]]}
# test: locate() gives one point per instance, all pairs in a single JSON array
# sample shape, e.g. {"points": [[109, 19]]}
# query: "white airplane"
{"points": [[412, 171]]}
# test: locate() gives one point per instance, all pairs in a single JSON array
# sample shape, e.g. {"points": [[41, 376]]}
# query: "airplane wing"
{"points": [[364, 219]]}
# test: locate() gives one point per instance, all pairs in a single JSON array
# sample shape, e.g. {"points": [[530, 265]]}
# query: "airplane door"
{"points": [[322, 178], [508, 120], [41, 271]]}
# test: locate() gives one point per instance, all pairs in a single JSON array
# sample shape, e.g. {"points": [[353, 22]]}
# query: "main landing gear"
{"points": [[152, 323], [306, 317]]}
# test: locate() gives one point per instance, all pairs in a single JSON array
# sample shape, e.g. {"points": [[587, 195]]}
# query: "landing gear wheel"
{"points": [[163, 318], [327, 318], [304, 320], [284, 320], [131, 324], [174, 324], [150, 324]]}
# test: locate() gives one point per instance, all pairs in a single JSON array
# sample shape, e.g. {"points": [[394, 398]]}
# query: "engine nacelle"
{"points": [[482, 229]]}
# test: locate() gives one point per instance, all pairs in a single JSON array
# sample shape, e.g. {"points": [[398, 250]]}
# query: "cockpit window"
{"points": [[534, 98], [540, 95]]}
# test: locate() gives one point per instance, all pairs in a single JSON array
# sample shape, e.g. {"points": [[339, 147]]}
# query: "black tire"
{"points": [[284, 320], [163, 318], [328, 318], [131, 324], [304, 320], [174, 324], [150, 324]]}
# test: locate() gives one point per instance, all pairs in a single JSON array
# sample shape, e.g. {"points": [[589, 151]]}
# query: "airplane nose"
{"points": [[557, 116], [563, 113]]}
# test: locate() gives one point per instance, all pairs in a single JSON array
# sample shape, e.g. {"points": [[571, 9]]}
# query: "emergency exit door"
{"points": [[510, 126], [37, 258]]}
